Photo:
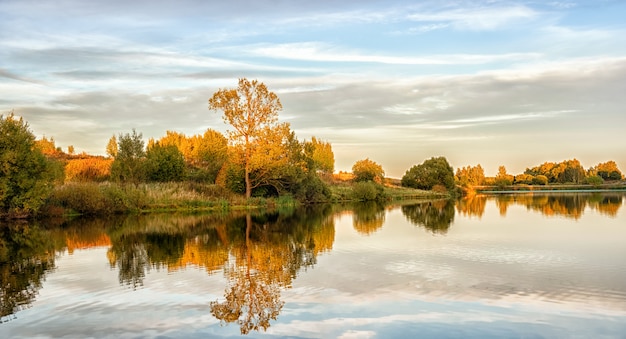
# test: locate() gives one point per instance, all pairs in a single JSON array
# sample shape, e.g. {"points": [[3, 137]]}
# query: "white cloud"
{"points": [[477, 18], [322, 52]]}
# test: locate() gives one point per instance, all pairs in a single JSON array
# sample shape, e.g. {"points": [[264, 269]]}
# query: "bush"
{"points": [[26, 176], [540, 180], [367, 191], [434, 171], [594, 180], [368, 170]]}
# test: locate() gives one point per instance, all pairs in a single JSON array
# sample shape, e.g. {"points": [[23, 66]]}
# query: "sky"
{"points": [[513, 83]]}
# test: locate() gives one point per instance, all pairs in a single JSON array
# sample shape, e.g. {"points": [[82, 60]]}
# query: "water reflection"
{"points": [[26, 255], [260, 255], [267, 251], [570, 205], [436, 216], [368, 217]]}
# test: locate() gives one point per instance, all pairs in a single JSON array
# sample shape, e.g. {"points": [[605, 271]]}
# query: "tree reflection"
{"points": [[472, 205], [368, 217], [435, 216], [27, 253], [570, 205], [267, 252]]}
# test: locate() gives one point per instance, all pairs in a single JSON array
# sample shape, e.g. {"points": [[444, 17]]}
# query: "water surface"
{"points": [[523, 265]]}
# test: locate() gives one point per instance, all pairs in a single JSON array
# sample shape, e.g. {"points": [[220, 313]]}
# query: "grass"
{"points": [[91, 198]]}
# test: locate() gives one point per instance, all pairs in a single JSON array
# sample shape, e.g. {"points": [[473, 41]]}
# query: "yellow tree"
{"points": [[249, 109]]}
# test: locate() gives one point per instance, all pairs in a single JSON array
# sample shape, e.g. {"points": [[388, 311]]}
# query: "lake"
{"points": [[502, 266]]}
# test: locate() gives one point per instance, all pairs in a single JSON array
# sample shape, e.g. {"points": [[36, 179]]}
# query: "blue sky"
{"points": [[512, 83]]}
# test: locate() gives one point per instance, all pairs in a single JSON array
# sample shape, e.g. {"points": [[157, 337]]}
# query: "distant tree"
{"points": [[164, 163], [434, 171], [112, 147], [503, 178], [523, 178], [251, 110], [70, 149], [26, 175], [128, 163], [322, 155], [608, 171], [368, 170], [471, 175], [47, 146]]}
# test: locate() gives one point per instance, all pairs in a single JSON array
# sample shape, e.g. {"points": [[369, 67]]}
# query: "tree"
{"points": [[434, 171], [321, 154], [249, 109], [112, 147], [128, 163], [164, 163], [26, 175], [471, 175], [503, 178], [608, 170], [368, 170], [70, 149]]}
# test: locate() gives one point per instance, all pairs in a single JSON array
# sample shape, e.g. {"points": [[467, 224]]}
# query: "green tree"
{"points": [[250, 110], [368, 170], [128, 165], [434, 171], [26, 175], [164, 163]]}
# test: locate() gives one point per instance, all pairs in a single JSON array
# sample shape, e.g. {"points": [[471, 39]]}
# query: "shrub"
{"points": [[540, 180], [26, 176], [368, 170], [594, 180], [367, 191]]}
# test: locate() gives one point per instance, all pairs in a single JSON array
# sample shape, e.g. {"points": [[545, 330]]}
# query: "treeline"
{"points": [[564, 172]]}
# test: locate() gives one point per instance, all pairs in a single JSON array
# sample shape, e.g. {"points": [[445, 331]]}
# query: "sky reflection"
{"points": [[522, 274]]}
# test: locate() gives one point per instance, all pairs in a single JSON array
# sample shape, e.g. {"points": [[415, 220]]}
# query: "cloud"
{"points": [[322, 52], [477, 18]]}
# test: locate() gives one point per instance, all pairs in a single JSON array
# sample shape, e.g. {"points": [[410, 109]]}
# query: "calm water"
{"points": [[490, 266]]}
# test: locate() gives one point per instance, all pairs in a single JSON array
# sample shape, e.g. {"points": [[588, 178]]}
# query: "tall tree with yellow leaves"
{"points": [[250, 109]]}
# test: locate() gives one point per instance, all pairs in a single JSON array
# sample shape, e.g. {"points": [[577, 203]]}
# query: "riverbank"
{"points": [[618, 185], [89, 198]]}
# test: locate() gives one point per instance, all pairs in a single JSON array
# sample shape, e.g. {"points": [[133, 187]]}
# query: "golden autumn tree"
{"points": [[250, 109]]}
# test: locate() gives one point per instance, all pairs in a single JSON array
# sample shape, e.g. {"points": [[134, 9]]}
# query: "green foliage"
{"points": [[367, 191], [311, 189], [434, 171], [26, 176], [368, 170], [128, 164], [164, 163], [595, 180]]}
